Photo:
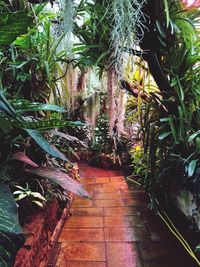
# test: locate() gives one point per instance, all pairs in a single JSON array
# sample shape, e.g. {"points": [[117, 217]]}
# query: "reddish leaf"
{"points": [[22, 157], [60, 178]]}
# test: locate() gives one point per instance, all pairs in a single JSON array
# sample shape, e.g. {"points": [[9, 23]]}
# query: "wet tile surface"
{"points": [[125, 221], [102, 180], [115, 228], [87, 212], [83, 252], [79, 202], [81, 235], [108, 195], [108, 202], [84, 222], [82, 264], [125, 234], [121, 254], [120, 211], [134, 202]]}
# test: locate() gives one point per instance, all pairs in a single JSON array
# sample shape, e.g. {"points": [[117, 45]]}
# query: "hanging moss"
{"points": [[67, 18], [127, 20]]}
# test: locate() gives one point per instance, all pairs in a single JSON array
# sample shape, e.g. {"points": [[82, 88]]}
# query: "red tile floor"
{"points": [[115, 228]]}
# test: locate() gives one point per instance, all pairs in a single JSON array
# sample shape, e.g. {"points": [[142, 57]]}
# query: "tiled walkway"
{"points": [[115, 228]]}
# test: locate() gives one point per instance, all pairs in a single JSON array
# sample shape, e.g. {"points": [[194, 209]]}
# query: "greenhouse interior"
{"points": [[99, 133]]}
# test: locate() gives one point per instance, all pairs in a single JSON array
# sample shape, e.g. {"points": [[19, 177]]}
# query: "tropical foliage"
{"points": [[29, 65], [169, 117], [143, 51]]}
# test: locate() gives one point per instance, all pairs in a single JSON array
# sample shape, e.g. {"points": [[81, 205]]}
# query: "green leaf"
{"points": [[11, 236], [61, 178], [45, 145], [38, 195], [101, 57], [164, 135], [167, 119], [38, 106], [171, 123], [166, 12], [13, 25], [181, 127], [5, 125], [160, 29], [181, 95], [197, 143], [191, 167], [21, 196], [47, 69], [193, 136], [46, 124], [5, 105], [17, 192], [81, 47], [4, 108], [38, 203], [197, 248]]}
